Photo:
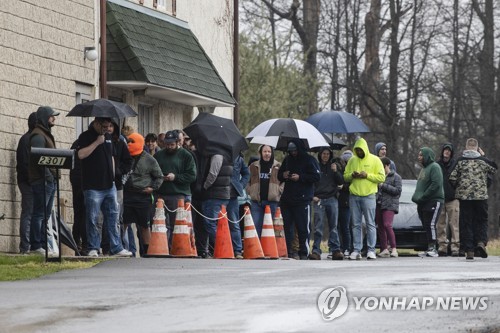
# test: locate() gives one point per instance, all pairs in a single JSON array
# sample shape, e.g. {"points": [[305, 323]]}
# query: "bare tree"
{"points": [[486, 89], [307, 30]]}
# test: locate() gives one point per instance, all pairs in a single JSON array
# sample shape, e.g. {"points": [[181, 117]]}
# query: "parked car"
{"points": [[407, 226]]}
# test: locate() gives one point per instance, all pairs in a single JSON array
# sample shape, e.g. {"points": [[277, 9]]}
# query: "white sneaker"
{"points": [[38, 251], [355, 256], [346, 253], [394, 253], [123, 253], [371, 255], [93, 253], [384, 254], [432, 253]]}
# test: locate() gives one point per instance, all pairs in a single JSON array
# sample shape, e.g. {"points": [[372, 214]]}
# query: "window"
{"points": [[145, 119], [168, 6], [83, 93]]}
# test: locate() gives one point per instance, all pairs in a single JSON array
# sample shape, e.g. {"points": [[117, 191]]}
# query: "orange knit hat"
{"points": [[135, 144]]}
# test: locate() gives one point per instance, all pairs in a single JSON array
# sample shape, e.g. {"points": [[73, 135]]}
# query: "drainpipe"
{"points": [[236, 69], [103, 77]]}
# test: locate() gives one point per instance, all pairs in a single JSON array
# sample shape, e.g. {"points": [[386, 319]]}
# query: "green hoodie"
{"points": [[371, 164], [430, 180]]}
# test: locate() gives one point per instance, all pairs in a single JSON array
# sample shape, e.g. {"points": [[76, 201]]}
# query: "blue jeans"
{"points": [[211, 209], [363, 207], [258, 209], [329, 209], [105, 201], [26, 212], [41, 211], [233, 213]]}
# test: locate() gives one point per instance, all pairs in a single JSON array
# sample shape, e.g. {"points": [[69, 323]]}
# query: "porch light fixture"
{"points": [[90, 53]]}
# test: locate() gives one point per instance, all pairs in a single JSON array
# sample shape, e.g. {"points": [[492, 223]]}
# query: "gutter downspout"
{"points": [[236, 67], [103, 77]]}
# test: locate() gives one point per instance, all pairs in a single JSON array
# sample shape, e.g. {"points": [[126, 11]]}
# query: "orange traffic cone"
{"points": [[267, 239], [158, 245], [279, 234], [251, 245], [181, 237], [223, 244], [189, 220]]}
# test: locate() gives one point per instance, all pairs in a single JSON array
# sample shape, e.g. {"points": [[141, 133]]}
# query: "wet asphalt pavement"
{"points": [[186, 295]]}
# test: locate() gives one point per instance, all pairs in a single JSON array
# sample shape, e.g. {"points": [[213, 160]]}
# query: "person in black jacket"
{"points": [[326, 205], [215, 192], [96, 152], [449, 216], [123, 164], [42, 179], [22, 164], [79, 231], [299, 171]]}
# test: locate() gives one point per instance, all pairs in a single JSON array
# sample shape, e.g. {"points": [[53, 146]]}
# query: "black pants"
{"points": [[428, 213], [201, 236], [297, 215], [79, 225], [473, 223]]}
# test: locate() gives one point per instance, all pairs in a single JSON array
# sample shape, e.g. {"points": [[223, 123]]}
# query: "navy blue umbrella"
{"points": [[337, 122]]}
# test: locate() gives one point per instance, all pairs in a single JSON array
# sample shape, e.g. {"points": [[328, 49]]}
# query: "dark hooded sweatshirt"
{"points": [[23, 152], [327, 186], [41, 137], [447, 168], [430, 180], [307, 168]]}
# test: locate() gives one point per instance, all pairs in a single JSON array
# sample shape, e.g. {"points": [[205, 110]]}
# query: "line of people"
{"points": [[119, 175]]}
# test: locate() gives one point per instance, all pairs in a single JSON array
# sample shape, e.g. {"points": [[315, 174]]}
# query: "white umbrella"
{"points": [[279, 131]]}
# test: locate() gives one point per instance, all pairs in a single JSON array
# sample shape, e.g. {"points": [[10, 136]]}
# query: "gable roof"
{"points": [[160, 54]]}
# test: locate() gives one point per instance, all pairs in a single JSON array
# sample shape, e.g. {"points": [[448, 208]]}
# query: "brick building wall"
{"points": [[41, 62]]}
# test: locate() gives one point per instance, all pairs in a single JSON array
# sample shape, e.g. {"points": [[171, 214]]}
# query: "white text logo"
{"points": [[332, 303]]}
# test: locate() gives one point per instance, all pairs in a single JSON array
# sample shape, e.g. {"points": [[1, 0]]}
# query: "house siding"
{"points": [[41, 63], [41, 59]]}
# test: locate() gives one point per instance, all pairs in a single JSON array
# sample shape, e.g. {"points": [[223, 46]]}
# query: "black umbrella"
{"points": [[337, 122], [334, 142], [103, 108], [64, 232], [216, 135]]}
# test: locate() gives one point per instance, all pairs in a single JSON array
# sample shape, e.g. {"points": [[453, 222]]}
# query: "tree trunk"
{"points": [[487, 72], [371, 74]]}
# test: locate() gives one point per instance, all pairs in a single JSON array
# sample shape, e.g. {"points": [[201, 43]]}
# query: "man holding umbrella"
{"points": [[299, 171], [96, 153]]}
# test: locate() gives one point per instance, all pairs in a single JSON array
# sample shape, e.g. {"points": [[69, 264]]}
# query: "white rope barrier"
{"points": [[206, 217]]}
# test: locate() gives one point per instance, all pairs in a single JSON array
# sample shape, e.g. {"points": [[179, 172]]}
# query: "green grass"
{"points": [[17, 267]]}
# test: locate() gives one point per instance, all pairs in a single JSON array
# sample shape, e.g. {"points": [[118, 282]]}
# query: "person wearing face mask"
{"points": [[299, 171], [179, 171], [264, 188], [145, 177]]}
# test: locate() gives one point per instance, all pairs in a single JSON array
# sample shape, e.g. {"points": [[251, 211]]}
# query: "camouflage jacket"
{"points": [[470, 176]]}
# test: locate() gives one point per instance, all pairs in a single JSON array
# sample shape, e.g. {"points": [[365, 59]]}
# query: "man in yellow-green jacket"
{"points": [[364, 171]]}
